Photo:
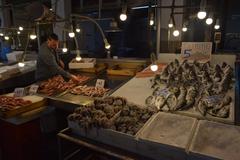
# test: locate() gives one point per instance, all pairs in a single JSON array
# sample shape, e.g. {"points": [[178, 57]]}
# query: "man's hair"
{"points": [[53, 36]]}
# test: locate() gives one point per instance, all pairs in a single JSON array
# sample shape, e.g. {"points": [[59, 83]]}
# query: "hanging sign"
{"points": [[199, 51]]}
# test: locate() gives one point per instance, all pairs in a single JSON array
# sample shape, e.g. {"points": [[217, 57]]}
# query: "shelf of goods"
{"points": [[11, 106]]}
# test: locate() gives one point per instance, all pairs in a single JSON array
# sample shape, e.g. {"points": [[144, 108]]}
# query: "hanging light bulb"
{"points": [[209, 21], [184, 29], [20, 28], [176, 33], [123, 15], [154, 67], [170, 24], [6, 38], [217, 25], [78, 57], [71, 34], [151, 21], [64, 49], [1, 34], [33, 36], [107, 45], [202, 12], [78, 28], [21, 64], [18, 32]]}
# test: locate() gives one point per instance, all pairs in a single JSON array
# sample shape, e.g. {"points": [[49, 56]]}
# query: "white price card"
{"points": [[100, 83], [199, 51], [33, 89], [19, 92]]}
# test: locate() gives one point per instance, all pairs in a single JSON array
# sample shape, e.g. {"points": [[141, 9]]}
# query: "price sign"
{"points": [[19, 92], [100, 83], [165, 92], [214, 100], [200, 51], [33, 89]]}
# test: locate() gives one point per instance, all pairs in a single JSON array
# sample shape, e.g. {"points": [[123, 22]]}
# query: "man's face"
{"points": [[53, 44]]}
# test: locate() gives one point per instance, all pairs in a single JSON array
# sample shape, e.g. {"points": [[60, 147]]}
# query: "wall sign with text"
{"points": [[200, 51]]}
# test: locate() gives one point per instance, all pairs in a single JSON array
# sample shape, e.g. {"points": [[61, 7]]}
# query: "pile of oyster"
{"points": [[113, 113], [132, 118], [185, 85], [98, 114]]}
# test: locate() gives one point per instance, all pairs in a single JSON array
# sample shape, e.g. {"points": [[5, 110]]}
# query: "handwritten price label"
{"points": [[19, 92], [100, 83], [33, 89]]}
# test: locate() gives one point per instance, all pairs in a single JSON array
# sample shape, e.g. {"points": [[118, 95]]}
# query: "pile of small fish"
{"points": [[112, 113], [89, 91], [185, 85]]}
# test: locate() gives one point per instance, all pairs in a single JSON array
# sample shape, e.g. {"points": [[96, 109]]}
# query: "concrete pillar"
{"points": [[5, 15], [63, 9]]}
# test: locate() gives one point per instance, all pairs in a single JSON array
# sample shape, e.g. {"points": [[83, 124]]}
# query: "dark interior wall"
{"points": [[231, 37]]}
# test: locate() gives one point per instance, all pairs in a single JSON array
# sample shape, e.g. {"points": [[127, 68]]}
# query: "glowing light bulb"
{"points": [[170, 25], [123, 17], [201, 14], [154, 67], [20, 28], [6, 38], [64, 50], [151, 22], [184, 29], [209, 21], [71, 34], [33, 36], [176, 33], [18, 32], [1, 34], [216, 26], [21, 64], [78, 58], [78, 30]]}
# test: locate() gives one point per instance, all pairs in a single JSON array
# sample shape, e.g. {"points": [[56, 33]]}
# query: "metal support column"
{"points": [[158, 27]]}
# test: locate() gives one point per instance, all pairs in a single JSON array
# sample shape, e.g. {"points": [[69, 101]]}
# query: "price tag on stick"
{"points": [[33, 89], [100, 83], [19, 92]]}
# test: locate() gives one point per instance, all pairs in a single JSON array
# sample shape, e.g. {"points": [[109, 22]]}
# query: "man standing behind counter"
{"points": [[48, 61]]}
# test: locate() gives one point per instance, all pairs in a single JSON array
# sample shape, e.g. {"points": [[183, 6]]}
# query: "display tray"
{"points": [[58, 93], [123, 70], [136, 90], [37, 102], [214, 140], [194, 112], [147, 72], [109, 136], [167, 136], [84, 63], [96, 69], [75, 99]]}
